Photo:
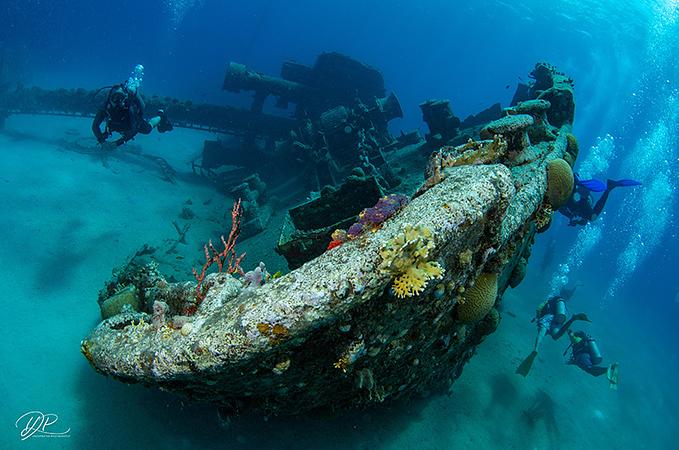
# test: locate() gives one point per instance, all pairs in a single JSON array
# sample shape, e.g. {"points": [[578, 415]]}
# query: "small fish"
{"points": [[278, 274]]}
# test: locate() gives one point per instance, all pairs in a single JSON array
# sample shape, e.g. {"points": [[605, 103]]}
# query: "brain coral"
{"points": [[478, 299], [406, 258], [559, 183], [572, 147]]}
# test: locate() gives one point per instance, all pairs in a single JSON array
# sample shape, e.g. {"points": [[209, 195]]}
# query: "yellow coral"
{"points": [[466, 257], [479, 299], [560, 183], [542, 217], [406, 258]]}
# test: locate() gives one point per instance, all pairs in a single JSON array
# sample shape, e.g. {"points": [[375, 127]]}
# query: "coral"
{"points": [[541, 130], [159, 310], [560, 182], [478, 299], [114, 304], [179, 321], [227, 256], [465, 257], [514, 128], [339, 237], [281, 366], [543, 217], [280, 331], [473, 152], [256, 277], [351, 354], [406, 258], [373, 218], [519, 273], [383, 209], [333, 244], [535, 108], [507, 125], [489, 323], [186, 329], [572, 149], [355, 230], [276, 333]]}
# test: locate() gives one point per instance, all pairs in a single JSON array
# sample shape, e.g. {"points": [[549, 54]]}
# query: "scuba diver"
{"points": [[586, 355], [580, 209], [551, 319], [123, 112]]}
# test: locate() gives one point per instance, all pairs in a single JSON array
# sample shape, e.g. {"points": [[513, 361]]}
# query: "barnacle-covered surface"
{"points": [[332, 334]]}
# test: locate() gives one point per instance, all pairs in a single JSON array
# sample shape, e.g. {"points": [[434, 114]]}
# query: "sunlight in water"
{"points": [[587, 238], [650, 207], [179, 8], [647, 212], [598, 158], [595, 162]]}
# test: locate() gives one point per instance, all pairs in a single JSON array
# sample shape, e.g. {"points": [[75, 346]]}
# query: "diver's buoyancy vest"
{"points": [[589, 345], [120, 118], [557, 307]]}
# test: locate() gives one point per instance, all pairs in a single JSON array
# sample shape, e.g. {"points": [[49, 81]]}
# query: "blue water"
{"points": [[67, 221]]}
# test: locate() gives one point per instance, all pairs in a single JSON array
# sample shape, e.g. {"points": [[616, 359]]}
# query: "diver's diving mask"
{"points": [[119, 98]]}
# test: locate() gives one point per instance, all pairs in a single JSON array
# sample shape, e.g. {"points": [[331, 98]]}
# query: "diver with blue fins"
{"points": [[123, 112], [551, 320], [586, 355], [580, 208]]}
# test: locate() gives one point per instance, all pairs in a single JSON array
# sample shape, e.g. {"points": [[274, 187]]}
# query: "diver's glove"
{"points": [[164, 124], [102, 138]]}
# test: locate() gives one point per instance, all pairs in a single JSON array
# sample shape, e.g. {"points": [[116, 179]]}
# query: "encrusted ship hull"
{"points": [[334, 333]]}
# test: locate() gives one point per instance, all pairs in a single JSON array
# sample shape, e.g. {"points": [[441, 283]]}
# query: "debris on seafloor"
{"points": [[334, 333]]}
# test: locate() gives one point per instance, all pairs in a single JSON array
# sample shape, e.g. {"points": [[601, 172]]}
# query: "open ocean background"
{"points": [[66, 221]]}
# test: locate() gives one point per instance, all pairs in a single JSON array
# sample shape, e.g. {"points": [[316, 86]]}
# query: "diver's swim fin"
{"points": [[581, 316], [610, 184], [164, 124], [612, 375], [526, 364], [592, 185]]}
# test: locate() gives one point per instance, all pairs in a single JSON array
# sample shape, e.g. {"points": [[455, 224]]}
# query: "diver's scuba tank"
{"points": [[593, 350], [559, 310]]}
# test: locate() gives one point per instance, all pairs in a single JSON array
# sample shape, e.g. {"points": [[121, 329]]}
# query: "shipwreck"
{"points": [[392, 312]]}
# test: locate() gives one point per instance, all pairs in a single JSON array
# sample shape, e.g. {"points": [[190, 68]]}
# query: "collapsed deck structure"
{"points": [[392, 312]]}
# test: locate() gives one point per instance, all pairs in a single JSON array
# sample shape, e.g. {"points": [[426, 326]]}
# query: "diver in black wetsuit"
{"points": [[580, 208], [123, 112], [586, 355]]}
